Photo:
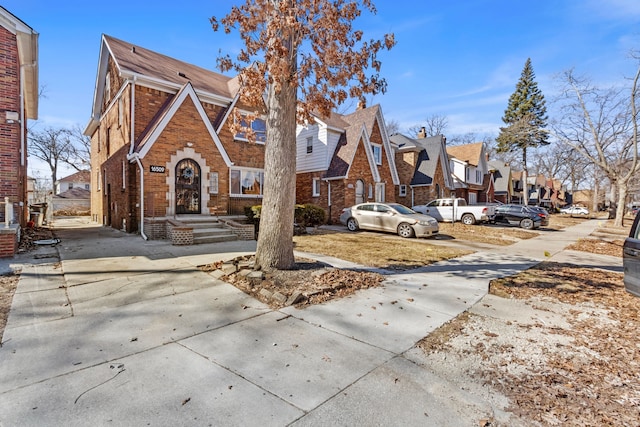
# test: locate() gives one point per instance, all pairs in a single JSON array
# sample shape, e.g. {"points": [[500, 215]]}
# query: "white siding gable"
{"points": [[324, 144]]}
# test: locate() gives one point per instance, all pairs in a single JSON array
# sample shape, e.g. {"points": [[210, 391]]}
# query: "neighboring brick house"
{"points": [[344, 160], [518, 186], [469, 166], [18, 103], [502, 181], [538, 191], [80, 179], [423, 169], [160, 141]]}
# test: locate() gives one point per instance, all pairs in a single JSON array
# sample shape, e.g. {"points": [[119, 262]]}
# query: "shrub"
{"points": [[253, 213], [312, 215]]}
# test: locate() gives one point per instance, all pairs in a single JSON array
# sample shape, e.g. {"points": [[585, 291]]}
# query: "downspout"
{"points": [[137, 159], [23, 119], [135, 156], [329, 198], [133, 115]]}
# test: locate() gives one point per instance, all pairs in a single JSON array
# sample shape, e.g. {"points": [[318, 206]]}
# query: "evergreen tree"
{"points": [[525, 117]]}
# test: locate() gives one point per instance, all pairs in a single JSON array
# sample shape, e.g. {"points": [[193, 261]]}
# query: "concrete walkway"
{"points": [[128, 332]]}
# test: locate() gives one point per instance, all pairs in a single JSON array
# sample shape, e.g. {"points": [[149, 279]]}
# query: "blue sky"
{"points": [[460, 59]]}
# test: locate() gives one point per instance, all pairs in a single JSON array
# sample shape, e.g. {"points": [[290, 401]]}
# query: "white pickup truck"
{"points": [[450, 210]]}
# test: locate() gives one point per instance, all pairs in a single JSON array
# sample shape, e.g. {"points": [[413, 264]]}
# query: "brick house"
{"points": [[345, 159], [160, 141], [18, 103], [502, 181], [423, 169], [469, 169]]}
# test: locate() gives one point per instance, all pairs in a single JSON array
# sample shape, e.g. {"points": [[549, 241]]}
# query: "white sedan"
{"points": [[390, 217], [574, 210]]}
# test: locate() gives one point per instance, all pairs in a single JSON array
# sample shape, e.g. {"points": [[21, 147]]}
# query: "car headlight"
{"points": [[428, 222]]}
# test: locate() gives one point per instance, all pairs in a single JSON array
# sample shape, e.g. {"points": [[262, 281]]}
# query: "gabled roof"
{"points": [[432, 150], [334, 121], [164, 116], [80, 176], [359, 127], [27, 40], [156, 70], [502, 176], [74, 193], [470, 153], [404, 143]]}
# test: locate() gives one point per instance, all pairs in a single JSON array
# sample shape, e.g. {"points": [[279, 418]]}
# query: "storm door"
{"points": [[187, 187]]}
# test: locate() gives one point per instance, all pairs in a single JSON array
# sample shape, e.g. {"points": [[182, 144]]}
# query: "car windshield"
{"points": [[402, 209]]}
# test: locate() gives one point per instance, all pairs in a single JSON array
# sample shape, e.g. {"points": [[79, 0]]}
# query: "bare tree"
{"points": [[51, 145], [602, 125], [297, 47], [435, 124], [393, 127], [80, 152]]}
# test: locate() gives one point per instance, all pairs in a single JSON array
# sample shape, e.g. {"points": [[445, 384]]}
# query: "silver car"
{"points": [[631, 259], [391, 217]]}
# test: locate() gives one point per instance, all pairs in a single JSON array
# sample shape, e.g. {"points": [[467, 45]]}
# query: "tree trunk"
{"points": [[525, 173], [622, 187], [275, 240]]}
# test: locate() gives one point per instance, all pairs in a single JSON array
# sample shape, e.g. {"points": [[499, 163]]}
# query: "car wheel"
{"points": [[352, 224], [468, 219], [527, 224], [405, 230]]}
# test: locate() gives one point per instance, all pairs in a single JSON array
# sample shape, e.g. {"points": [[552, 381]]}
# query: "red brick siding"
{"points": [[8, 245], [384, 169], [13, 174]]}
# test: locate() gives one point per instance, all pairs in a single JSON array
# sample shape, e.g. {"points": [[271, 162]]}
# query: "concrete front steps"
{"points": [[207, 229]]}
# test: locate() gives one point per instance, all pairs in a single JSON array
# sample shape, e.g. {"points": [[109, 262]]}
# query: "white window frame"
{"points": [[380, 192], [377, 153], [309, 145], [244, 172], [213, 183], [316, 187], [403, 190], [261, 135], [478, 177]]}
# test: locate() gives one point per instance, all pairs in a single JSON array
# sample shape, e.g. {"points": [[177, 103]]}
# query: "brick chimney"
{"points": [[422, 133], [362, 103]]}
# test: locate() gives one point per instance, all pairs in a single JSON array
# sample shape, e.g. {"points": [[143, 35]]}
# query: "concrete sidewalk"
{"points": [[128, 332]]}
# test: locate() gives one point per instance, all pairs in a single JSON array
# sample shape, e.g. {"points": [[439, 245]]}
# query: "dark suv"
{"points": [[631, 259], [523, 216]]}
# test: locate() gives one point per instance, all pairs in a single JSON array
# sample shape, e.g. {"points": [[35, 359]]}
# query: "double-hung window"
{"points": [[377, 153], [316, 187]]}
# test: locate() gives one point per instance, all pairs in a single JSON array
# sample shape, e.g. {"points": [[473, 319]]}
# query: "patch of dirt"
{"points": [[576, 361], [309, 282], [8, 284], [598, 246]]}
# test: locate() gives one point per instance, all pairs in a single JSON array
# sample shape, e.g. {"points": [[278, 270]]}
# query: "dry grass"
{"points": [[485, 233], [375, 249]]}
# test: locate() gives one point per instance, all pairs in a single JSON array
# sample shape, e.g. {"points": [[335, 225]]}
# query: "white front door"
{"points": [[359, 191]]}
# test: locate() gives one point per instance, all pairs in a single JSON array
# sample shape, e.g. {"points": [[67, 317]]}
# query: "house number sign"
{"points": [[156, 169]]}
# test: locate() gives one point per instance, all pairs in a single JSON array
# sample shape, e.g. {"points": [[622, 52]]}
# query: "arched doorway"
{"points": [[359, 191], [187, 187]]}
